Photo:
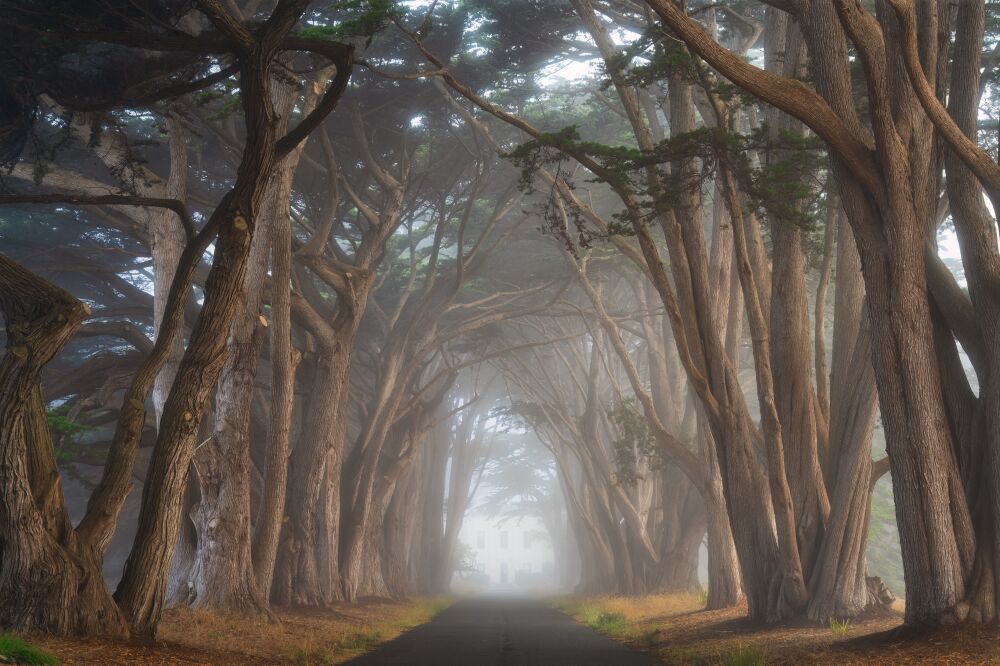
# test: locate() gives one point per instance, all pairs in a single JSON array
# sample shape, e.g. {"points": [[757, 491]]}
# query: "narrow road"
{"points": [[501, 631]]}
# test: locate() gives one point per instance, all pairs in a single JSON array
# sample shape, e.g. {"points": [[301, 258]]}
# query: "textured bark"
{"points": [[703, 355], [887, 205], [787, 594], [49, 580], [979, 459], [790, 348], [284, 359], [725, 588], [833, 223], [433, 465], [143, 586], [400, 513], [839, 587], [322, 450], [222, 576], [166, 246], [297, 576]]}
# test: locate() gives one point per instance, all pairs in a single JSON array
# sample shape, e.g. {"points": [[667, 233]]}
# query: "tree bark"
{"points": [[143, 585], [284, 359], [222, 576], [839, 586], [47, 580]]}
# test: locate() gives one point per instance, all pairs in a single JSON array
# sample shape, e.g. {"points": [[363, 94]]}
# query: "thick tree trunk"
{"points": [[793, 386], [678, 571], [435, 466], [839, 586], [284, 359], [400, 513], [979, 446], [222, 575], [143, 585], [887, 204], [315, 462], [725, 586], [47, 580]]}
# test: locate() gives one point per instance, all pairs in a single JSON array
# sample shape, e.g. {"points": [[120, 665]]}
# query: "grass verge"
{"points": [[302, 637], [15, 650], [675, 628]]}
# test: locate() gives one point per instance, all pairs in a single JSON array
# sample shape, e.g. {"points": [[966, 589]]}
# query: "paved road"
{"points": [[502, 631]]}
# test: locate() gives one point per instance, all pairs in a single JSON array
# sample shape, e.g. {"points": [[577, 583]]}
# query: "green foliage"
{"points": [[361, 18], [743, 655], [658, 65], [60, 424], [840, 629], [613, 624], [785, 185], [225, 98], [554, 148], [635, 442], [14, 649]]}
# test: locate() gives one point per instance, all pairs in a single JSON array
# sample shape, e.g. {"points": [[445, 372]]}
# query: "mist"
{"points": [[473, 332]]}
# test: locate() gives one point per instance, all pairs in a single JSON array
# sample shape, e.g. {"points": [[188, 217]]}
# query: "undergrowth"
{"points": [[16, 650], [840, 629], [744, 655]]}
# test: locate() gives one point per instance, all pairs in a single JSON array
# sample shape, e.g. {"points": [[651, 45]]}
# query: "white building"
{"points": [[514, 554]]}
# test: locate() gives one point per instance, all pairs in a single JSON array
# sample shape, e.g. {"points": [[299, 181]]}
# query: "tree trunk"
{"points": [[222, 576], [725, 586], [315, 462], [166, 246], [284, 359], [48, 582], [143, 585]]}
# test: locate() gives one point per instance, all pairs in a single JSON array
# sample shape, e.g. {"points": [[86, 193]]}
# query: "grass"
{"points": [[361, 640], [612, 624], [14, 649], [677, 629], [743, 655], [840, 629], [627, 619]]}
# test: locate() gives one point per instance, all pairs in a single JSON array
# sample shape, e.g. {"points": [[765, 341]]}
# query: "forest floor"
{"points": [[304, 638], [676, 630]]}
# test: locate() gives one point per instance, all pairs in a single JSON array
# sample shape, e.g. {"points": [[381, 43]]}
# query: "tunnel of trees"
{"points": [[286, 285]]}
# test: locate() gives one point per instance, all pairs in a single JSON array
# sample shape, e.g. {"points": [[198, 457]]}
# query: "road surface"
{"points": [[501, 631]]}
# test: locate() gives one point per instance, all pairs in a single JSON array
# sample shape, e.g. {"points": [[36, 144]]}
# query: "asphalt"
{"points": [[499, 631]]}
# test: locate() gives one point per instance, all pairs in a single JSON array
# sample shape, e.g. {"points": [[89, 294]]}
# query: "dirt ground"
{"points": [[304, 638], [673, 628]]}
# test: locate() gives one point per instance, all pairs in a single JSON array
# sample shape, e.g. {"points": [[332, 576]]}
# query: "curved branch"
{"points": [[966, 149], [791, 96], [105, 199]]}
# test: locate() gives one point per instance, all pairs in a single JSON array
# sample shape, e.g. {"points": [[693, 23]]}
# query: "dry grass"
{"points": [[302, 637], [676, 629]]}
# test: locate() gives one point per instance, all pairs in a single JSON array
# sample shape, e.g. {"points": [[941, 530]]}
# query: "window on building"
{"points": [[503, 539]]}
